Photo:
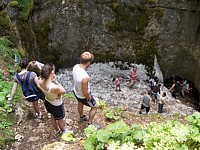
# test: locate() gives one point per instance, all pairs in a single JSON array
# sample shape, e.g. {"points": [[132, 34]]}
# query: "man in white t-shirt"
{"points": [[82, 88]]}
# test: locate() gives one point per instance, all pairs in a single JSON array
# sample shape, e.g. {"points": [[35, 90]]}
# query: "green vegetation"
{"points": [[41, 31], [7, 51], [25, 8], [113, 114], [158, 136], [67, 137], [6, 74], [4, 22], [69, 96], [102, 104]]}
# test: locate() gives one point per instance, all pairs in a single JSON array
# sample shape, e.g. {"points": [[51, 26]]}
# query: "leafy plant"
{"points": [[6, 75], [113, 114], [70, 96], [102, 104], [158, 136], [4, 124], [194, 129], [67, 137]]}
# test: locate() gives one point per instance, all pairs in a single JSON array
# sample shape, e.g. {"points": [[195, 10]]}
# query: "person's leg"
{"points": [[153, 97], [61, 124], [131, 82], [147, 110], [54, 123], [35, 106], [119, 88], [92, 113], [156, 97], [174, 94], [182, 92], [141, 108], [80, 109], [48, 114], [161, 108]]}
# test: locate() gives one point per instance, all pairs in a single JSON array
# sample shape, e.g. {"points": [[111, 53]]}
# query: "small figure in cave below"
{"points": [[133, 77], [117, 83]]}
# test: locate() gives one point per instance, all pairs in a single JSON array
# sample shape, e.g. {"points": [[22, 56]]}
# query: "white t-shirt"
{"points": [[78, 75]]}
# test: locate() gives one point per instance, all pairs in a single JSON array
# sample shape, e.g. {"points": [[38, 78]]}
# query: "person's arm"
{"points": [[59, 89], [171, 87], [36, 82], [14, 89], [30, 64], [165, 103], [150, 101], [39, 65], [85, 88]]}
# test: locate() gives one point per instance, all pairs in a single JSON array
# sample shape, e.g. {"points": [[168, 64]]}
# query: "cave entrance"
{"points": [[191, 97]]}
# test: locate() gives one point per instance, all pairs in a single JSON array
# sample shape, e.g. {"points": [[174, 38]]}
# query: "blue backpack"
{"points": [[29, 92]]}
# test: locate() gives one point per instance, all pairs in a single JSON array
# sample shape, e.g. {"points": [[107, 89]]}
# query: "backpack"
{"points": [[28, 91]]}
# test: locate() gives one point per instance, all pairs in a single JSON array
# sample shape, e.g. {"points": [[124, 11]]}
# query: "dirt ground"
{"points": [[33, 133]]}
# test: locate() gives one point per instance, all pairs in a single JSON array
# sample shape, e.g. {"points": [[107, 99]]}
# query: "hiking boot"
{"points": [[84, 118], [58, 133], [55, 133], [94, 124]]}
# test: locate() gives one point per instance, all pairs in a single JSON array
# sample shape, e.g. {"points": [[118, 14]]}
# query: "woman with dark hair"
{"points": [[33, 79], [53, 91]]}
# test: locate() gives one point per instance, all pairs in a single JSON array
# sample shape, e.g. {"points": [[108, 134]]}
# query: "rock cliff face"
{"points": [[127, 30]]}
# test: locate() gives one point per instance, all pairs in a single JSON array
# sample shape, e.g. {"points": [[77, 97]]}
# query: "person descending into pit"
{"points": [[175, 89], [133, 76]]}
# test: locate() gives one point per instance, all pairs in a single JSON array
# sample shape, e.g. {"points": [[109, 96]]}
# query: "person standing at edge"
{"points": [[82, 88], [36, 65], [146, 102], [53, 91], [33, 80]]}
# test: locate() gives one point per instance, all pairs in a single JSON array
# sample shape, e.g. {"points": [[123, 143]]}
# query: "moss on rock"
{"points": [[129, 18], [25, 8], [13, 4], [146, 55]]}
